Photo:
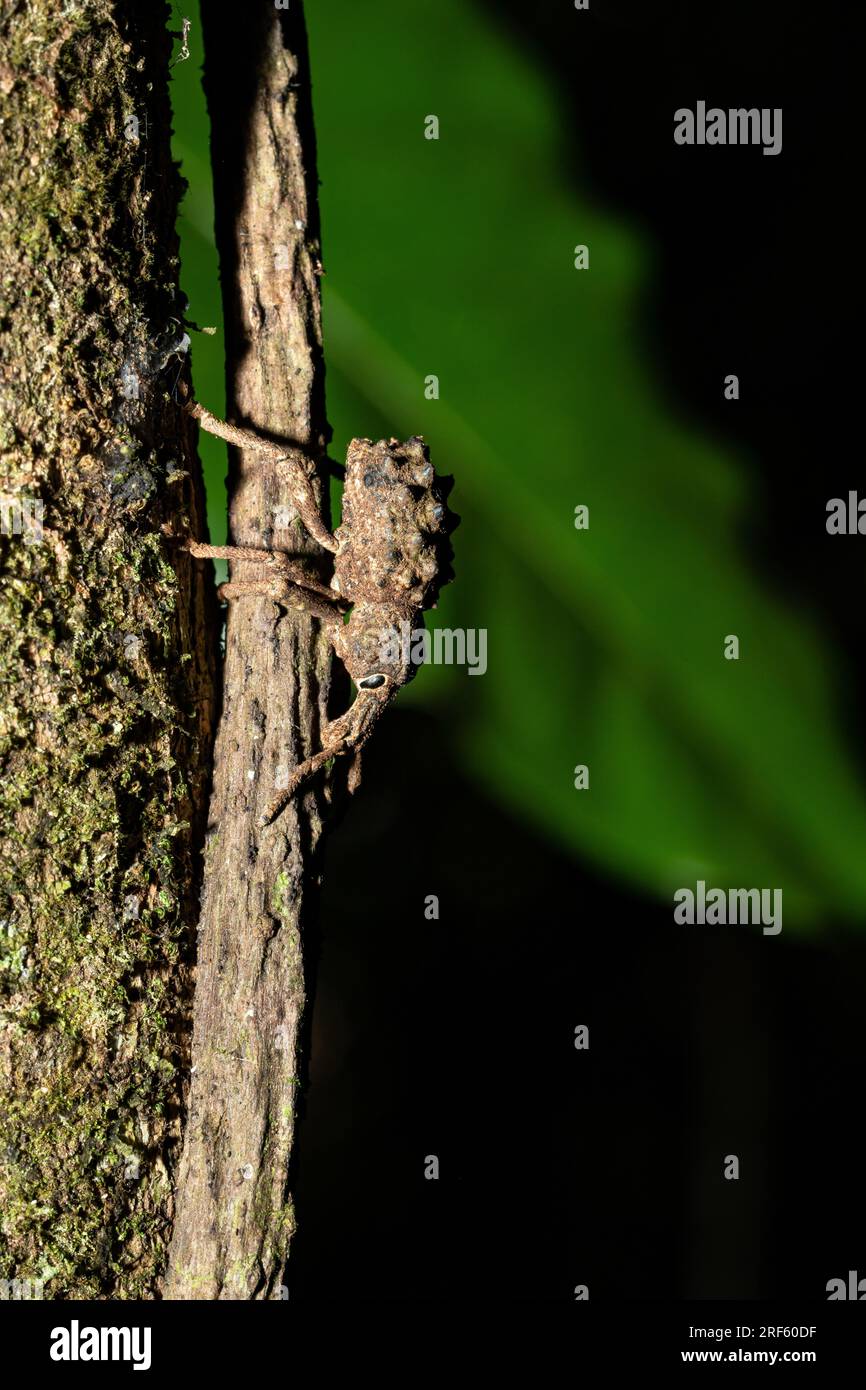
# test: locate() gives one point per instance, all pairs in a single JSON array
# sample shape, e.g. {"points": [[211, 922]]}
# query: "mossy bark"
{"points": [[106, 686]]}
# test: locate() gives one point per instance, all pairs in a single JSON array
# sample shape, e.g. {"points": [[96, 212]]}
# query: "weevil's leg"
{"points": [[282, 565], [287, 583], [348, 734], [293, 463], [301, 774], [353, 780], [287, 595]]}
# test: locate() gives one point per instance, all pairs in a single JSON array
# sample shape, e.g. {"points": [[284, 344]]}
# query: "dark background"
{"points": [[605, 1167], [455, 1037]]}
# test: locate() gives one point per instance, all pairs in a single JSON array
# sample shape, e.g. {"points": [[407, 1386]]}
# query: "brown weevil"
{"points": [[392, 555]]}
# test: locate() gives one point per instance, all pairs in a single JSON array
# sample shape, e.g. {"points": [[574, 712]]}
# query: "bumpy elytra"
{"points": [[394, 554]]}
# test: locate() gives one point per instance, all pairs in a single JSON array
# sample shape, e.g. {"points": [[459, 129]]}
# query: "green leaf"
{"points": [[455, 257]]}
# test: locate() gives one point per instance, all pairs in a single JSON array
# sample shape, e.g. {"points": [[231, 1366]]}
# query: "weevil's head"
{"points": [[377, 647]]}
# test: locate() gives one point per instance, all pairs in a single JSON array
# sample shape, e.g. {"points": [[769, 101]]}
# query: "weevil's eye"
{"points": [[371, 682]]}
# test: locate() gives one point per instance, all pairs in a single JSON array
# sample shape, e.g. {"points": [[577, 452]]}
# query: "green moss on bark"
{"points": [[106, 696]]}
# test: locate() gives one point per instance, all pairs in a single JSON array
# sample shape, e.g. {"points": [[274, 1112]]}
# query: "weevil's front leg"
{"points": [[348, 734], [292, 462]]}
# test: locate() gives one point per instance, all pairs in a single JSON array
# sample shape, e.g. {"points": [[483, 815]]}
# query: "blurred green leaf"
{"points": [[199, 261], [455, 257]]}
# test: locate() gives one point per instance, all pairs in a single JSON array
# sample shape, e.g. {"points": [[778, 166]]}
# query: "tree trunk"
{"points": [[106, 692], [234, 1210]]}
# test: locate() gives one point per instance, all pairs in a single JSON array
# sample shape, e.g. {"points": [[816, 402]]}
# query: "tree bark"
{"points": [[106, 690], [234, 1210]]}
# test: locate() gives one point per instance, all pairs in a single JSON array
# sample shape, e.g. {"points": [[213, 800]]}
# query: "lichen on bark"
{"points": [[106, 689]]}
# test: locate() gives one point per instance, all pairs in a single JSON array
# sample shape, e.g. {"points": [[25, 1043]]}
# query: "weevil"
{"points": [[392, 555]]}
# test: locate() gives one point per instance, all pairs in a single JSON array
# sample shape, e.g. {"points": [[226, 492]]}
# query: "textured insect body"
{"points": [[393, 558], [392, 555]]}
